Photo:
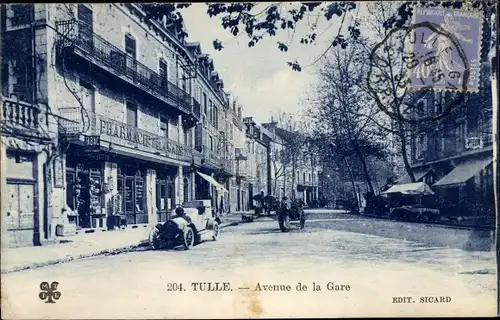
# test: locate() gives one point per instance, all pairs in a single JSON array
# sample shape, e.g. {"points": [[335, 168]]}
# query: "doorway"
{"points": [[134, 197], [20, 209]]}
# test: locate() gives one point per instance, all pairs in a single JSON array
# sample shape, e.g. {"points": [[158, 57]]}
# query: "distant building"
{"points": [[258, 143], [293, 174]]}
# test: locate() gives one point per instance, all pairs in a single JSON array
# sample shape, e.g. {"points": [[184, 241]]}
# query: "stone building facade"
{"points": [[137, 119]]}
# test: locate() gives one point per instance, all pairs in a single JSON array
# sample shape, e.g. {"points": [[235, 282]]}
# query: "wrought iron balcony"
{"points": [[211, 158], [227, 166], [25, 121], [77, 121], [77, 36]]}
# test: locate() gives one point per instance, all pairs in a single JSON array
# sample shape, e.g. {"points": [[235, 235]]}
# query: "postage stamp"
{"points": [[445, 49]]}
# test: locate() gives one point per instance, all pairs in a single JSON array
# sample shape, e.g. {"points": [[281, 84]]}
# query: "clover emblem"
{"points": [[49, 292]]}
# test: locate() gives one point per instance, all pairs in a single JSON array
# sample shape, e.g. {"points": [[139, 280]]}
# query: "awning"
{"points": [[463, 172], [411, 188], [418, 173], [212, 181]]}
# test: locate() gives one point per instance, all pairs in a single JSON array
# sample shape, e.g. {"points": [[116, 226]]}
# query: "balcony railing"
{"points": [[24, 120], [76, 34], [227, 165], [211, 157], [77, 121]]}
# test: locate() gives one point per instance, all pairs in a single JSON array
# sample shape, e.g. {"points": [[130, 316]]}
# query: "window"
{"points": [[88, 95], [21, 14], [204, 103], [85, 25], [210, 115], [131, 114], [163, 68], [211, 143], [164, 127], [182, 79], [130, 49], [130, 45], [421, 108], [216, 118], [309, 177], [421, 146], [304, 177]]}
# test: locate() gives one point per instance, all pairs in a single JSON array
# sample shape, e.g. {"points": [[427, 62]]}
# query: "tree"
{"points": [[342, 111], [260, 20], [406, 114]]}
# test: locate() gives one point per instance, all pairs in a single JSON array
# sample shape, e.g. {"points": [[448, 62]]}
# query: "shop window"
{"points": [[129, 200], [139, 194], [120, 202]]}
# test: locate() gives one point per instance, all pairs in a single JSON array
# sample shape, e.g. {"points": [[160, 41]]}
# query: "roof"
{"points": [[463, 172], [418, 173], [416, 188]]}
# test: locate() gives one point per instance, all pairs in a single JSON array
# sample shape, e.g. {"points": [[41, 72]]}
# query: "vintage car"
{"points": [[187, 225]]}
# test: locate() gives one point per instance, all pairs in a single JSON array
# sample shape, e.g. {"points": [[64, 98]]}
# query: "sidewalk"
{"points": [[80, 246]]}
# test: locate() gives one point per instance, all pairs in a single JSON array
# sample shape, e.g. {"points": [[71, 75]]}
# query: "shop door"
{"points": [[135, 199]]}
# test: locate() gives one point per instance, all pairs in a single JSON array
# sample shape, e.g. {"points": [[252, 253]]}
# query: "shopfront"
{"points": [[84, 194]]}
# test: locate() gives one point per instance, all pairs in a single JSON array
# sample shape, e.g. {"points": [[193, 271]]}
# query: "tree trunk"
{"points": [[352, 182], [405, 154], [293, 177], [365, 169]]}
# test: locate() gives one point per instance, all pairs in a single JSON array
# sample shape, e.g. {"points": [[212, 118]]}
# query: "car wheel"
{"points": [[302, 220], [188, 238], [286, 223], [216, 231], [154, 239]]}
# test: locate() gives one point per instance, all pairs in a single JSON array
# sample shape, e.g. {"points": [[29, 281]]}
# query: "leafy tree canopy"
{"points": [[257, 23]]}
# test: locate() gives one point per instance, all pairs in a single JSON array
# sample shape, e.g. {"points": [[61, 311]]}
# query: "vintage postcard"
{"points": [[249, 160]]}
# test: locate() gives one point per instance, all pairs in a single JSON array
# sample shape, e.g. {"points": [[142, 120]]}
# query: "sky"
{"points": [[259, 77]]}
